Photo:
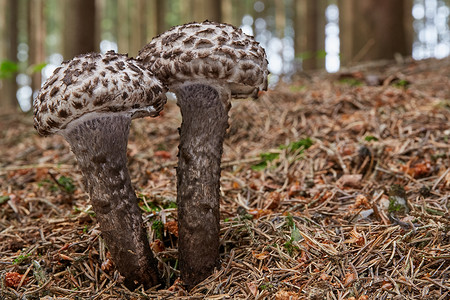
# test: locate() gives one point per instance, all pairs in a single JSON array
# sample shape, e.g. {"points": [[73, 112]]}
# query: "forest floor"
{"points": [[334, 186]]}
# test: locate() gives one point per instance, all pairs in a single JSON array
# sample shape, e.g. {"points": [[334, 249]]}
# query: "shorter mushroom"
{"points": [[205, 64], [90, 101]]}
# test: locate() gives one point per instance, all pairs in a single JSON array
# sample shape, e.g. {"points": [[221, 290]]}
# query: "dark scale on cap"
{"points": [[111, 69]]}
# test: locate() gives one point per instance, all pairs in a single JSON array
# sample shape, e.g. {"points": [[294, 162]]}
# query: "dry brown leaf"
{"points": [[253, 288], [258, 213], [273, 200], [13, 279], [261, 255], [294, 189], [157, 246], [350, 180], [286, 295], [172, 227], [65, 257], [349, 278], [162, 154], [357, 238], [417, 170], [108, 264], [325, 276], [361, 200]]}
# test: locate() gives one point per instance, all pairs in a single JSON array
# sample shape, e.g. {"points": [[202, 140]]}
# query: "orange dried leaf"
{"points": [[361, 200], [65, 257], [294, 189], [236, 185], [13, 279], [258, 213], [349, 278], [357, 238], [162, 154], [387, 285], [253, 288], [172, 227], [107, 265], [273, 200], [157, 246], [261, 255], [286, 295], [325, 277], [350, 180]]}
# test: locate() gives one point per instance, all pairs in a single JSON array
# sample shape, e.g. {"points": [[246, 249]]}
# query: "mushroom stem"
{"points": [[100, 145], [204, 110]]}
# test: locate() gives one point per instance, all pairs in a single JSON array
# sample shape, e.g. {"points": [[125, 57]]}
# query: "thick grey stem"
{"points": [[100, 146], [205, 120]]}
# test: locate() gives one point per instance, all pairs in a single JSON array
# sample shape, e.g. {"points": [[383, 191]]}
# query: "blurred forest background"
{"points": [[298, 35]]}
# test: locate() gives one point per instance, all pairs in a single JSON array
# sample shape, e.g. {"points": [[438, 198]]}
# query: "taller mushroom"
{"points": [[91, 100], [205, 64]]}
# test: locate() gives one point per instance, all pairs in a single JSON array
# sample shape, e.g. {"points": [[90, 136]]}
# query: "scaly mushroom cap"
{"points": [[208, 52], [96, 83]]}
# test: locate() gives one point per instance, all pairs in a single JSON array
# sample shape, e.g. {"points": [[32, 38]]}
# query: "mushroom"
{"points": [[205, 64], [90, 101]]}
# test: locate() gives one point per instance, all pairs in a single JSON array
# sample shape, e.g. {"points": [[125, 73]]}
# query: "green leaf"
{"points": [[3, 199], [21, 258], [259, 166], [265, 157], [321, 54], [295, 234], [351, 81], [290, 221], [370, 138], [8, 68], [158, 227], [66, 184], [402, 83], [303, 143], [36, 68]]}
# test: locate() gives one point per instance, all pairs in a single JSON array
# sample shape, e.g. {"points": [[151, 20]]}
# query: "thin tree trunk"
{"points": [[138, 26], [372, 29], [123, 36], [206, 10], [8, 86], [227, 11], [280, 18], [309, 27], [161, 16], [79, 28], [36, 30]]}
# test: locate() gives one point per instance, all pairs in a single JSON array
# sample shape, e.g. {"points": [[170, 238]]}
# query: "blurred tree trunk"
{"points": [[79, 28], [36, 31], [227, 11], [309, 27], [280, 18], [202, 10], [123, 34], [100, 15], [373, 29], [138, 26], [9, 30], [161, 24]]}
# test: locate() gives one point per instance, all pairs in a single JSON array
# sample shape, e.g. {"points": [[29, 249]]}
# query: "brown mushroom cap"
{"points": [[208, 52], [96, 83]]}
